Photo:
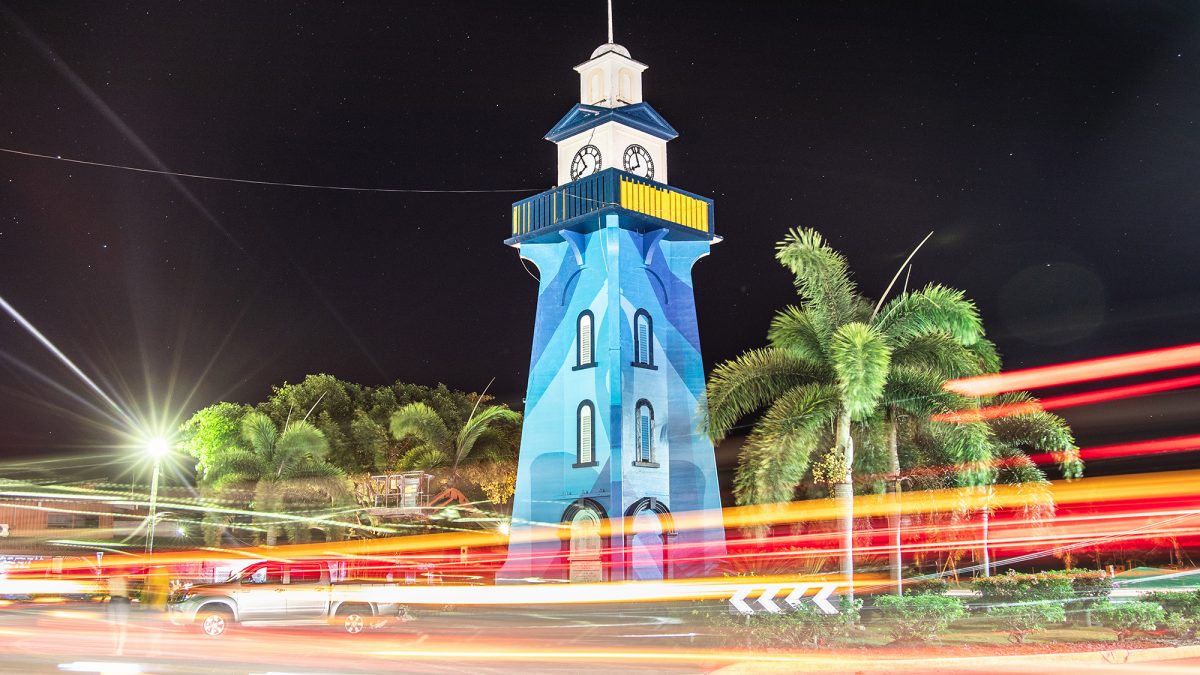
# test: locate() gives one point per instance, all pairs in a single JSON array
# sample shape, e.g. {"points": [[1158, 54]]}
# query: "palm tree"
{"points": [[286, 468], [438, 446], [828, 365]]}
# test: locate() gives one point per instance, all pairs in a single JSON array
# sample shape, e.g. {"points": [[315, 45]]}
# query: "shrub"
{"points": [[1181, 626], [1128, 618], [1012, 587], [1090, 587], [1182, 611], [1021, 620], [805, 627], [934, 586], [1025, 603], [918, 618], [1186, 604]]}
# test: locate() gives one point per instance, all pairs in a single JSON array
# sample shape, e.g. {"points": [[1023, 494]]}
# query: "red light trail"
{"points": [[1117, 450], [1068, 401], [1079, 371]]}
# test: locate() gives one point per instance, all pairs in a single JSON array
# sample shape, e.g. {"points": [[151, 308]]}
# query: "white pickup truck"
{"points": [[286, 594]]}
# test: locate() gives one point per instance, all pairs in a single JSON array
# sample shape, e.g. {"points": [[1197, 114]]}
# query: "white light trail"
{"points": [[20, 319]]}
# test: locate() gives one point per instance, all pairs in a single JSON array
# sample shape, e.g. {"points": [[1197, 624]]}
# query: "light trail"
{"points": [[76, 370], [1068, 401], [1134, 449], [1164, 485], [1078, 371]]}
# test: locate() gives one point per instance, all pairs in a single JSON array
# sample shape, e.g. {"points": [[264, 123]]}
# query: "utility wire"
{"points": [[254, 182]]}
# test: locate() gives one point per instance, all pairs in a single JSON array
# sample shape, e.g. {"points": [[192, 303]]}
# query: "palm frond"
{"points": [[422, 458], [800, 332], [934, 308], [480, 423], [749, 383], [970, 446], [259, 431], [234, 464], [419, 421], [938, 351], [919, 391], [299, 442], [1033, 487], [822, 274], [776, 455], [985, 351], [860, 358], [1040, 431]]}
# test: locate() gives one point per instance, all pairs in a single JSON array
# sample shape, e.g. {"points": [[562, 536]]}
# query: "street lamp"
{"points": [[156, 448]]}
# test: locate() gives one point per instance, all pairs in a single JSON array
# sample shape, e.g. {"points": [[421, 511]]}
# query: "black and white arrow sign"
{"points": [[794, 599]]}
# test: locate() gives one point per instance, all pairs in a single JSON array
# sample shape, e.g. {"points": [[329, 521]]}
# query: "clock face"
{"points": [[638, 162], [586, 162]]}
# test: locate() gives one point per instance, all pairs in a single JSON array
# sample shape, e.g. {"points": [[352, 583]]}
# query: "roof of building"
{"points": [[611, 47], [638, 116]]}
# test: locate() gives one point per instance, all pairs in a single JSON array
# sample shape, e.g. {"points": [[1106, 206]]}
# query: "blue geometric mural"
{"points": [[611, 450], [612, 407]]}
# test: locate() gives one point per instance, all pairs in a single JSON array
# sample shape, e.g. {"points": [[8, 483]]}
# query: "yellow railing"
{"points": [[607, 189], [664, 203]]}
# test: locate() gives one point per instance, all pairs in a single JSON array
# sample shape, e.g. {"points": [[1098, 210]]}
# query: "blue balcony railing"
{"points": [[612, 188]]}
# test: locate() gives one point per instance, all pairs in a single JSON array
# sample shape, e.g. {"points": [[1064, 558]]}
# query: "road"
{"points": [[529, 641]]}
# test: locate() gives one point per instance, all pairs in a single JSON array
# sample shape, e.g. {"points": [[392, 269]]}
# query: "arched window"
{"points": [[584, 355], [625, 91], [596, 87], [643, 339], [644, 432], [585, 434]]}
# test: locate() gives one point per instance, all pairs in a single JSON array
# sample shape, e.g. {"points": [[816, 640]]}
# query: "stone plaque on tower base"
{"points": [[587, 571]]}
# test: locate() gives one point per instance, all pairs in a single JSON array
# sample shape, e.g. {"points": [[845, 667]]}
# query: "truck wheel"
{"points": [[353, 618], [214, 621]]}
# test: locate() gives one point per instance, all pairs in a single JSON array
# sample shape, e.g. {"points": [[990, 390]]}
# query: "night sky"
{"points": [[1054, 148]]}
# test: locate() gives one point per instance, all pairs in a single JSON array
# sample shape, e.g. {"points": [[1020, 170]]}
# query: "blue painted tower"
{"points": [[615, 480]]}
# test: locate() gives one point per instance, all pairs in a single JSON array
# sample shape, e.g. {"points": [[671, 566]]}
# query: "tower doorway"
{"points": [[650, 531], [585, 541]]}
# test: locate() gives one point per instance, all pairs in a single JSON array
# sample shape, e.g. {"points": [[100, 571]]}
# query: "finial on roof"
{"points": [[610, 30]]}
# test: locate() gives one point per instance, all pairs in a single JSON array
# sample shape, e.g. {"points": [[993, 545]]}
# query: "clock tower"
{"points": [[615, 480]]}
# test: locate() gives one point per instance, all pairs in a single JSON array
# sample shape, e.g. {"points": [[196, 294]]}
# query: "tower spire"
{"points": [[610, 30]]}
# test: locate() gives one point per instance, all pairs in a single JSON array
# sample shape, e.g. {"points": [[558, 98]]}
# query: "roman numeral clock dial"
{"points": [[586, 162], [638, 162]]}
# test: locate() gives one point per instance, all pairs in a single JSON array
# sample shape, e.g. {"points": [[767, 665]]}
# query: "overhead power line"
{"points": [[247, 181]]}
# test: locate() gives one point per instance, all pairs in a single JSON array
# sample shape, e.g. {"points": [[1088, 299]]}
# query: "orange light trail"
{"points": [[1078, 371]]}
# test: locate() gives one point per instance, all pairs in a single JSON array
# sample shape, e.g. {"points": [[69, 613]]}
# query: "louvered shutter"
{"points": [[645, 435], [585, 340], [643, 350], [585, 434]]}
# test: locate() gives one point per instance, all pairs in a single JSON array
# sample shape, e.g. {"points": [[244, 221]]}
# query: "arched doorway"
{"points": [[585, 541], [651, 527]]}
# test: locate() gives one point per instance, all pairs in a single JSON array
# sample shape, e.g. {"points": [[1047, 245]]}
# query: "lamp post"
{"points": [[157, 448]]}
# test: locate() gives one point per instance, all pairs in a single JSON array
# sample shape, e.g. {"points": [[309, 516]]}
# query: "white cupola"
{"points": [[611, 78]]}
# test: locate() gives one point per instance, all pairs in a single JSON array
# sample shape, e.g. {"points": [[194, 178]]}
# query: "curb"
{"points": [[833, 661]]}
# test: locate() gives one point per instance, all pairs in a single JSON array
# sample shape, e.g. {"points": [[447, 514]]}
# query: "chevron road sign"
{"points": [[767, 595]]}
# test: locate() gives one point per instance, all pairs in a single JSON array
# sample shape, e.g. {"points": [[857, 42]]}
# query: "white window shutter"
{"points": [[585, 435], [585, 340]]}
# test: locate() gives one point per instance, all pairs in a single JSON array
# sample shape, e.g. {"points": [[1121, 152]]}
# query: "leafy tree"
{"points": [[209, 431], [286, 470]]}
